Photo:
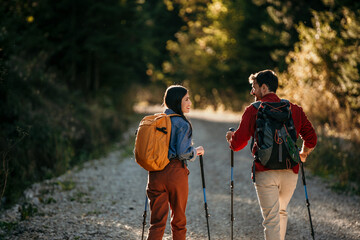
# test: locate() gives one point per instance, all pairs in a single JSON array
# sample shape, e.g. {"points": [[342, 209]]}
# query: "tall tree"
{"points": [[224, 41], [326, 63], [65, 74]]}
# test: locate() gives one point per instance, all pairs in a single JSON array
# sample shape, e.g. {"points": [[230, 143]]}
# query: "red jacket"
{"points": [[246, 128]]}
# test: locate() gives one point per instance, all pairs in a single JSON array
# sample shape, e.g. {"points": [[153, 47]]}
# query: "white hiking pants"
{"points": [[274, 189]]}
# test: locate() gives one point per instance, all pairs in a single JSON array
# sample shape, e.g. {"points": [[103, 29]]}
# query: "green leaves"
{"points": [[327, 59]]}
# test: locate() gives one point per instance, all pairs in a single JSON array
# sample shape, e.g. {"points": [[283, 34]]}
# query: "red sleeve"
{"points": [[303, 126], [246, 129]]}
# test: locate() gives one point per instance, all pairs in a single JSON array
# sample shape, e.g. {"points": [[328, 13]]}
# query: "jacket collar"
{"points": [[270, 97], [169, 111]]}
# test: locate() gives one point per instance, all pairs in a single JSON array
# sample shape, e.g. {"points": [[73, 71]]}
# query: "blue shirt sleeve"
{"points": [[184, 148], [180, 146]]}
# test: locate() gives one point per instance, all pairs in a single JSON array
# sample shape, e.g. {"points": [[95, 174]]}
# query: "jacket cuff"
{"points": [[193, 155]]}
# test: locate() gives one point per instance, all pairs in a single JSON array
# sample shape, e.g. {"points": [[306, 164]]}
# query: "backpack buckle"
{"points": [[163, 130]]}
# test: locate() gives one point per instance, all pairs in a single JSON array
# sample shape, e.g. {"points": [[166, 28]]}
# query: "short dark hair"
{"points": [[267, 77]]}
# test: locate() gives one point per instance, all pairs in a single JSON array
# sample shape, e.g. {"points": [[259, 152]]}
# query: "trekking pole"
{"points": [[144, 220], [307, 199], [205, 203], [232, 191]]}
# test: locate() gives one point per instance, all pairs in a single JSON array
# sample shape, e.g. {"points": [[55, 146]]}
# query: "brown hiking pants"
{"points": [[168, 187]]}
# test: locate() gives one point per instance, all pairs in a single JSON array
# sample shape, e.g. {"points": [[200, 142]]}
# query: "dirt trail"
{"points": [[107, 201]]}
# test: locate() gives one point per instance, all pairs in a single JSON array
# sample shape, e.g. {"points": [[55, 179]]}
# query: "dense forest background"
{"points": [[71, 71]]}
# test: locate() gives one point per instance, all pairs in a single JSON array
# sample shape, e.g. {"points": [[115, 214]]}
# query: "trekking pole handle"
{"points": [[302, 172], [202, 170], [232, 155]]}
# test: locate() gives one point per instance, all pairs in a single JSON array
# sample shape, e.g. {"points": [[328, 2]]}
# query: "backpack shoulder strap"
{"points": [[285, 101], [256, 104], [174, 114], [291, 125]]}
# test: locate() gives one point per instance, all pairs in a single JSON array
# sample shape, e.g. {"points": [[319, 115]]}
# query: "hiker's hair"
{"points": [[267, 77], [172, 99]]}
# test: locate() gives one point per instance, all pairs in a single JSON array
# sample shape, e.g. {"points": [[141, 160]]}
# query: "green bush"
{"points": [[337, 160], [43, 134]]}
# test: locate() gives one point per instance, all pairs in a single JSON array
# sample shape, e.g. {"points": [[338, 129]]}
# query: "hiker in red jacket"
{"points": [[274, 188]]}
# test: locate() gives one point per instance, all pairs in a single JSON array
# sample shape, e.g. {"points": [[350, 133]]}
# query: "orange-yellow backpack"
{"points": [[152, 141]]}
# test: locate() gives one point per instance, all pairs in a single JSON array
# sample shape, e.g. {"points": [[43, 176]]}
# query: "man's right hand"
{"points": [[304, 153], [303, 156], [229, 135]]}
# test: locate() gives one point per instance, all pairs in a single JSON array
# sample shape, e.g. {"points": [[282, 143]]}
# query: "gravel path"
{"points": [[105, 199]]}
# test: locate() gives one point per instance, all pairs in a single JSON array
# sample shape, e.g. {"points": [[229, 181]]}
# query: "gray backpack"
{"points": [[275, 135]]}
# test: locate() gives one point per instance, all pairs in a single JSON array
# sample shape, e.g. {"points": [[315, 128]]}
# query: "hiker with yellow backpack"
{"points": [[163, 146]]}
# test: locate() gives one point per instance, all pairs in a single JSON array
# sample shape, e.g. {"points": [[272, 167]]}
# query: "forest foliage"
{"points": [[65, 70], [70, 72]]}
